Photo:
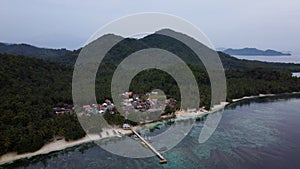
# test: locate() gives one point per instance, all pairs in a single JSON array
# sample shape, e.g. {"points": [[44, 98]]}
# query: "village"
{"points": [[131, 103]]}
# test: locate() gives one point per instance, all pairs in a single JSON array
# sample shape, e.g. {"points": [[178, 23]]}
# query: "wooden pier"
{"points": [[162, 159]]}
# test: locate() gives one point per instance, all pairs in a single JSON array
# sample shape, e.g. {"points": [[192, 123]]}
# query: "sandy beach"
{"points": [[183, 114], [50, 147], [252, 97], [62, 144]]}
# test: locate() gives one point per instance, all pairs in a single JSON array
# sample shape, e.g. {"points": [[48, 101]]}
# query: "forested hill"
{"points": [[229, 62], [32, 51], [29, 89], [128, 46]]}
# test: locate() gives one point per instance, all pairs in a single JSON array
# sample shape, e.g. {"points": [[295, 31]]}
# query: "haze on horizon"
{"points": [[68, 24]]}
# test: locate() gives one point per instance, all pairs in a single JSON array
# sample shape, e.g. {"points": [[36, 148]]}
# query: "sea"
{"points": [[294, 58], [261, 133]]}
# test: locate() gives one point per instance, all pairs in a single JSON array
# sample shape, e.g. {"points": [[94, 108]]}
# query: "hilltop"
{"points": [[33, 51], [130, 45], [255, 52]]}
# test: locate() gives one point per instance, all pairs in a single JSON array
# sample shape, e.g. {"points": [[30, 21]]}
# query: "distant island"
{"points": [[254, 52]]}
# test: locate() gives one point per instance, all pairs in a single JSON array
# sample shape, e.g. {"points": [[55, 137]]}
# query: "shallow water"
{"points": [[260, 133]]}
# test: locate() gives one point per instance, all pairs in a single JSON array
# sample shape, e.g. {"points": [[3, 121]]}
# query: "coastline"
{"points": [[253, 97], [113, 132], [61, 145]]}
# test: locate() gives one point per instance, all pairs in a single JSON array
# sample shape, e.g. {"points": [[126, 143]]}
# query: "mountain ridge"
{"points": [[131, 45], [31, 51], [254, 52]]}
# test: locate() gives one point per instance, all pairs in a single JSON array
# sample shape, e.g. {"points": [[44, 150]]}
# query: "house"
{"points": [[68, 106], [126, 126], [101, 111], [110, 107], [136, 96], [127, 94], [126, 101], [102, 107], [58, 110], [155, 93]]}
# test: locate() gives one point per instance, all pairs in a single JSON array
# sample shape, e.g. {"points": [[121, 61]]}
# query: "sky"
{"points": [[264, 24]]}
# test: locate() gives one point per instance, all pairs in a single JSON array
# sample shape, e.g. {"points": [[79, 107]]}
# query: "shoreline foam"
{"points": [[62, 144]]}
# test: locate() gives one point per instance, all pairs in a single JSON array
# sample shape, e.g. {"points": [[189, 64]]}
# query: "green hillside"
{"points": [[129, 45], [32, 51], [30, 88]]}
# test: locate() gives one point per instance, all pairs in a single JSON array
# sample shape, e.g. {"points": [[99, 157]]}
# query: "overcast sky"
{"points": [[68, 24]]}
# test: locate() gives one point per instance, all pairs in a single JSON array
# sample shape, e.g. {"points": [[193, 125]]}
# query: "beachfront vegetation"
{"points": [[30, 88]]}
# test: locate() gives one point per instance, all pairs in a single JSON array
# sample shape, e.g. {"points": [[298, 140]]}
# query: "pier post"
{"points": [[162, 159]]}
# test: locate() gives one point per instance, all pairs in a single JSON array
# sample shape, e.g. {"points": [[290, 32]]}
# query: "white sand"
{"points": [[62, 144], [260, 95], [52, 146], [183, 114]]}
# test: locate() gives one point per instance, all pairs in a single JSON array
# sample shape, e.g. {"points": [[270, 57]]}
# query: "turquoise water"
{"points": [[260, 133]]}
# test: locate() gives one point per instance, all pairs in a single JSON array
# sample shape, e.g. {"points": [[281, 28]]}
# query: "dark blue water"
{"points": [[261, 133]]}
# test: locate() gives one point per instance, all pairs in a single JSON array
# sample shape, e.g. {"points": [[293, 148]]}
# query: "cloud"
{"points": [[227, 23]]}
